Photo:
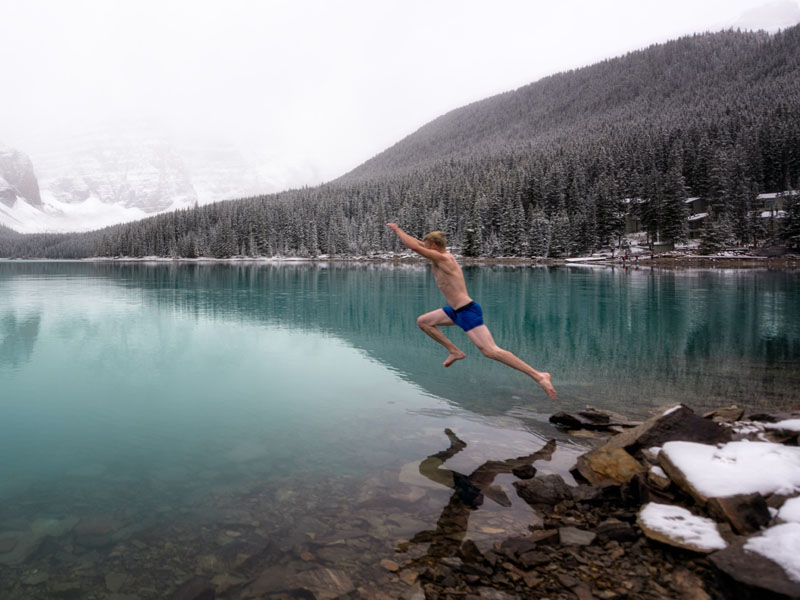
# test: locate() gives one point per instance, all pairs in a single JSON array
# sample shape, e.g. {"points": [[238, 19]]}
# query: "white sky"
{"points": [[315, 82]]}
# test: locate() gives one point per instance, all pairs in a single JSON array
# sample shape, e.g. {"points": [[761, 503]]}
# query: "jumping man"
{"points": [[461, 309]]}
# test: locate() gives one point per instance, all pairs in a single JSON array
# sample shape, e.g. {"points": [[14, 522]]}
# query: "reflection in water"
{"points": [[17, 338], [468, 493]]}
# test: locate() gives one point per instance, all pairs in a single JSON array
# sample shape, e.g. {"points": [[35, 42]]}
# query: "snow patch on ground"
{"points": [[678, 523], [741, 467]]}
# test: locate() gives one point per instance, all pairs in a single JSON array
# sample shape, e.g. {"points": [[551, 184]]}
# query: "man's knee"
{"points": [[422, 323], [492, 352]]}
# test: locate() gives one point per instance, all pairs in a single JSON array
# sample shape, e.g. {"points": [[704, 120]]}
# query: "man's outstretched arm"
{"points": [[413, 243]]}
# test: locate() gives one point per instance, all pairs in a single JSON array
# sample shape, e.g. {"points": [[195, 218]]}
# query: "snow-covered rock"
{"points": [[678, 527], [742, 467]]}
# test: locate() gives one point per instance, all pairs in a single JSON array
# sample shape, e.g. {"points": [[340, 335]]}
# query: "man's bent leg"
{"points": [[430, 323], [482, 338]]}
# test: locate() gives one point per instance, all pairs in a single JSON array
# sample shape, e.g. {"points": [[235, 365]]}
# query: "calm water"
{"points": [[160, 421]]}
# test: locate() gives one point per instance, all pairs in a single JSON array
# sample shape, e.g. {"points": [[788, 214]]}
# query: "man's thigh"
{"points": [[435, 318]]}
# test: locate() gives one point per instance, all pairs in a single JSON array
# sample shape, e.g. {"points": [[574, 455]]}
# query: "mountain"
{"points": [[563, 166], [108, 175], [667, 86]]}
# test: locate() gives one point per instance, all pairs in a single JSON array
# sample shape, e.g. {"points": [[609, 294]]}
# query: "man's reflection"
{"points": [[468, 492]]}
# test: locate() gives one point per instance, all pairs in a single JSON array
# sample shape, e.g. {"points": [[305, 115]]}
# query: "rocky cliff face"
{"points": [[17, 179]]}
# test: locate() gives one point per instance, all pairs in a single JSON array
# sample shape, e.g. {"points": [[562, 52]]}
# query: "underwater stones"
{"points": [[35, 578], [196, 588], [96, 526], [116, 581], [8, 540], [390, 565], [325, 584]]}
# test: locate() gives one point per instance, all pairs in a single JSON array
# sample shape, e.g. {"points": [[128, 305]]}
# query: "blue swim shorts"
{"points": [[467, 317]]}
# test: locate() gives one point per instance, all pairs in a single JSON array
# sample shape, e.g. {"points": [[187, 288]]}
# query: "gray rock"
{"points": [[576, 537], [678, 423], [548, 489], [616, 530]]}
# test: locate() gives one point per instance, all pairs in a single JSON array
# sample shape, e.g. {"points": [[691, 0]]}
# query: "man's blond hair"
{"points": [[437, 238]]}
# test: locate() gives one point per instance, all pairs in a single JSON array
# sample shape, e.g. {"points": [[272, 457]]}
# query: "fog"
{"points": [[313, 87]]}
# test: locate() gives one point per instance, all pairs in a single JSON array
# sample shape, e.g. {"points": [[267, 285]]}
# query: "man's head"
{"points": [[435, 239]]}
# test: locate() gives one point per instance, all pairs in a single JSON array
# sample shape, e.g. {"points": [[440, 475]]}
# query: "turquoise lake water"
{"points": [[161, 421]]}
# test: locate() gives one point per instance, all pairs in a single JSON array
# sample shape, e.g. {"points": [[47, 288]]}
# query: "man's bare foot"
{"points": [[547, 386], [453, 357]]}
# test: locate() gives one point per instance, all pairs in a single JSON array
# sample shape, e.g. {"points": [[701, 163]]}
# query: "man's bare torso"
{"points": [[450, 279]]}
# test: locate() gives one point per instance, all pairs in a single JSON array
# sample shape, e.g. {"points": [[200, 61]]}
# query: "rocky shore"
{"points": [[680, 506]]}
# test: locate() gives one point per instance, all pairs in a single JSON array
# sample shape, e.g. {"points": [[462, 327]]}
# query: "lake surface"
{"points": [[161, 421]]}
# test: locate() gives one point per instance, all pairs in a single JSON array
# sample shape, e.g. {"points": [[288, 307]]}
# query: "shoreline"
{"points": [[683, 261]]}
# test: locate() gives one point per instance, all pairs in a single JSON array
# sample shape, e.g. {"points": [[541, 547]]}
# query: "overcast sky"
{"points": [[313, 82]]}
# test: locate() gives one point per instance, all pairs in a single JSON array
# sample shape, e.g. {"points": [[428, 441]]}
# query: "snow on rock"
{"points": [[786, 425], [780, 544], [742, 467], [678, 527], [790, 511]]}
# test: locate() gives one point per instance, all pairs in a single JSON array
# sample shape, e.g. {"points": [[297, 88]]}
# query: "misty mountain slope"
{"points": [[687, 81]]}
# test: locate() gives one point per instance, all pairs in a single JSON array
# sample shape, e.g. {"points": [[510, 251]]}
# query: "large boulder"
{"points": [[608, 466], [677, 423], [753, 575], [705, 471]]}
